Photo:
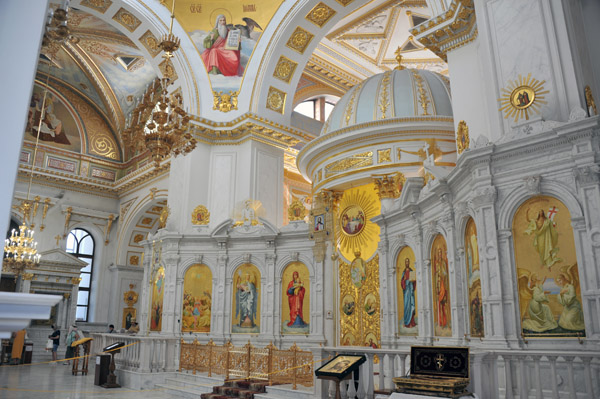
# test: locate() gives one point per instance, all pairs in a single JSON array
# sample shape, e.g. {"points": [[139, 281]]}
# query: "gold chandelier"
{"points": [[158, 122], [57, 30]]}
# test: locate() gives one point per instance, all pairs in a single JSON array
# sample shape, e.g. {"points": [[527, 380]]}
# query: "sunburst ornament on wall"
{"points": [[354, 229], [522, 96]]}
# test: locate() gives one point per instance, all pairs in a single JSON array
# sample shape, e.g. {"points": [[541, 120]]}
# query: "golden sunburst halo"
{"points": [[354, 229], [522, 96]]}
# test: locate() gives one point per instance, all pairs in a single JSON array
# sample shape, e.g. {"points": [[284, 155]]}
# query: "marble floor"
{"points": [[54, 381]]}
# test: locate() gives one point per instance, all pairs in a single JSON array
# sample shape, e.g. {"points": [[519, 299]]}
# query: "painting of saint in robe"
{"points": [[407, 294], [158, 294], [474, 279], [246, 300], [295, 301], [546, 267], [441, 288]]}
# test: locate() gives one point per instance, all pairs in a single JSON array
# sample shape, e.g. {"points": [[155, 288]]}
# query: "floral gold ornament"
{"points": [[276, 100], [109, 223], [423, 99], [320, 14], [134, 260], [127, 19], [589, 102], [521, 97], [130, 297], [225, 102], [164, 215], [299, 40], [384, 97], [285, 69], [462, 137], [389, 186], [69, 212], [150, 42], [200, 216], [99, 5], [297, 211], [384, 155], [344, 2]]}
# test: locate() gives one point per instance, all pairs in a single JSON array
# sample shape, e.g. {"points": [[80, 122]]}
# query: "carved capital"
{"points": [[533, 184], [389, 186], [484, 196], [589, 174]]}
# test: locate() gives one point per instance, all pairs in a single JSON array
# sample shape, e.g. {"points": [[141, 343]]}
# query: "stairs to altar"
{"points": [[237, 389]]}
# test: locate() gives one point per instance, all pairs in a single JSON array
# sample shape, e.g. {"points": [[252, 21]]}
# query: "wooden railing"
{"points": [[277, 366]]}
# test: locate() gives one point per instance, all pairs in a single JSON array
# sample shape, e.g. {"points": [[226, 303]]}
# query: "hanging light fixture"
{"points": [[20, 250], [57, 30], [158, 122]]}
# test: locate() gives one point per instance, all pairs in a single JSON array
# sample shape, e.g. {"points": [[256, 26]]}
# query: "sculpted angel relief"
{"points": [[548, 278]]}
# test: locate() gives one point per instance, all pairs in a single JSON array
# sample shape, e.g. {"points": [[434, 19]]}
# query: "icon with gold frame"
{"points": [[340, 366]]}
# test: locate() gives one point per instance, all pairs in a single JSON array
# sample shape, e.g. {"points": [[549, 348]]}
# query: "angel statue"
{"points": [[246, 299], [572, 314], [545, 238], [538, 316]]}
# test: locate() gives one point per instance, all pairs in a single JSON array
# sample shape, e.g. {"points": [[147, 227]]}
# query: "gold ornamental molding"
{"points": [[276, 100], [150, 42], [522, 96], [299, 40], [323, 71], [462, 137], [128, 20], [99, 5], [320, 14], [389, 186], [285, 69], [344, 2], [297, 211], [448, 31]]}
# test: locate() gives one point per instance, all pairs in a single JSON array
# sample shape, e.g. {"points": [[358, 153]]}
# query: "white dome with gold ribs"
{"points": [[394, 94], [382, 126]]}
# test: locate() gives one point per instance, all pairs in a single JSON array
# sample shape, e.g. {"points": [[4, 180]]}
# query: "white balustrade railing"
{"points": [[509, 374], [145, 354]]}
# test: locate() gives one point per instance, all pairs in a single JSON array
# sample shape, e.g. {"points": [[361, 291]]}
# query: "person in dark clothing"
{"points": [[55, 337]]}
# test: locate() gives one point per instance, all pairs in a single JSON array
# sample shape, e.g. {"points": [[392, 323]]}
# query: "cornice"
{"points": [[450, 30], [104, 36]]}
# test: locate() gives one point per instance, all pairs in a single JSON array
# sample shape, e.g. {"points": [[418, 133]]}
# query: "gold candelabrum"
{"points": [[159, 123]]}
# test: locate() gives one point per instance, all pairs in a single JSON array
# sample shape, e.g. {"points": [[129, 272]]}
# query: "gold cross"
{"points": [[440, 360], [57, 239]]}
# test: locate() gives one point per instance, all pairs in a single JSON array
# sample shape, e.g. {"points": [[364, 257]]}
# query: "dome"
{"points": [[384, 125], [395, 94]]}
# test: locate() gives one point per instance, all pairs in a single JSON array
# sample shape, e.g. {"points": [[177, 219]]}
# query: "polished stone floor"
{"points": [[54, 381]]}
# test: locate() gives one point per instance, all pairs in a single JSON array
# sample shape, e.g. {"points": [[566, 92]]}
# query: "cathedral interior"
{"points": [[246, 189]]}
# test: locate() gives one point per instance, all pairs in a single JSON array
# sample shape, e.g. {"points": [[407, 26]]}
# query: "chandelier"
{"points": [[158, 122]]}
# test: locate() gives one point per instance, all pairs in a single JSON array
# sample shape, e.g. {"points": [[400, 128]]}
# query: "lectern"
{"points": [[340, 368], [112, 378], [83, 358]]}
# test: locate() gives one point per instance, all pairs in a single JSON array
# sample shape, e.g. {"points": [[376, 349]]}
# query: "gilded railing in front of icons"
{"points": [[291, 366]]}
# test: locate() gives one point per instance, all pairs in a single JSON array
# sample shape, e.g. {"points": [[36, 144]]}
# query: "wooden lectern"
{"points": [[340, 368], [111, 381], [85, 344]]}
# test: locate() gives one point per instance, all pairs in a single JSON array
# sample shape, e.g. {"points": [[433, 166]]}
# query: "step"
{"points": [[286, 392], [183, 392]]}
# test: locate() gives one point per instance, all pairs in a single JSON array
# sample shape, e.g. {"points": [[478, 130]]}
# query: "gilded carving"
{"points": [[285, 69], [384, 155], [200, 215], [522, 96], [276, 100], [360, 302], [102, 144], [134, 260], [164, 215], [353, 162], [350, 106], [389, 186], [344, 2], [99, 5], [462, 137], [297, 211], [384, 96], [320, 14], [589, 101], [130, 297], [423, 98], [150, 42], [138, 238], [127, 19], [225, 102], [299, 40]]}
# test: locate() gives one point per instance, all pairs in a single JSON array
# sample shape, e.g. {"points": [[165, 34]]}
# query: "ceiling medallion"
{"points": [[522, 96], [299, 40], [127, 19], [320, 14], [276, 100], [150, 43], [285, 69], [462, 137]]}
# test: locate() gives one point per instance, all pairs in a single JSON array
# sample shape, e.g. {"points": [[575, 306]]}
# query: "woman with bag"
{"points": [[53, 342], [72, 336]]}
